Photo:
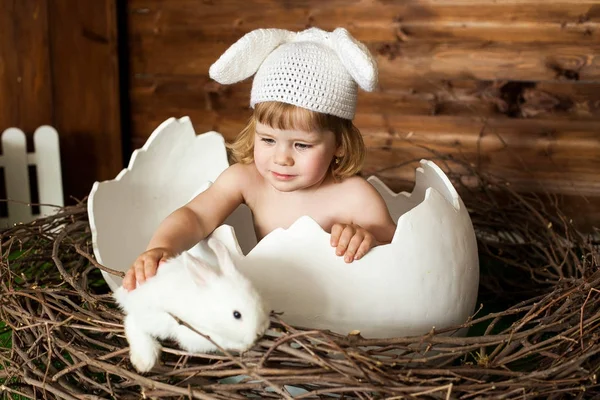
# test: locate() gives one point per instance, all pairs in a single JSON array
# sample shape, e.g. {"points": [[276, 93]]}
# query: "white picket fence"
{"points": [[15, 161]]}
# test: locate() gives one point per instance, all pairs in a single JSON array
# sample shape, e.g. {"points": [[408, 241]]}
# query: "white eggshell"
{"points": [[427, 277]]}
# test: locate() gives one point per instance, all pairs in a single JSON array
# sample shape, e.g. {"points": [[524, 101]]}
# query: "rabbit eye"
{"points": [[237, 315]]}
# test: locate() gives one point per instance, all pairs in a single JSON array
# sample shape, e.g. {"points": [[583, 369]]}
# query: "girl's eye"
{"points": [[302, 146], [268, 140]]}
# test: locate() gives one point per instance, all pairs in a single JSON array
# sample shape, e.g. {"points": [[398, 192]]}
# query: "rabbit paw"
{"points": [[143, 348], [143, 359]]}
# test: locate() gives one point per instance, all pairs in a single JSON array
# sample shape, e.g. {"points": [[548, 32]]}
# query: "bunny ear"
{"points": [[225, 262], [357, 59], [201, 272], [243, 58]]}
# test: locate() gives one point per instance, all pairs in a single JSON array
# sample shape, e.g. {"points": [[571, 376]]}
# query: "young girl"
{"points": [[298, 155]]}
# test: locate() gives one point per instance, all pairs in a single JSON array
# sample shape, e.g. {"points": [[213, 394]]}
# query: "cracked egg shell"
{"points": [[426, 277]]}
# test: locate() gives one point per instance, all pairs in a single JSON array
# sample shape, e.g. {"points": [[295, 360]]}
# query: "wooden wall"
{"points": [[511, 86], [58, 66]]}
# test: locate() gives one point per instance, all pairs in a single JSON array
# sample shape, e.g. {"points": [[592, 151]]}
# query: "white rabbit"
{"points": [[224, 306]]}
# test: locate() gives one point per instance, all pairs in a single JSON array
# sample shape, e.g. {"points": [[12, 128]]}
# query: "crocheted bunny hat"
{"points": [[313, 69]]}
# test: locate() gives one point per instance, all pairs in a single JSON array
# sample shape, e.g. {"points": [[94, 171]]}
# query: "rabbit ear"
{"points": [[201, 272], [357, 59], [243, 58], [225, 262]]}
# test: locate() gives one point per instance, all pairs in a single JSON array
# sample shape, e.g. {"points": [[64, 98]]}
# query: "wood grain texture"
{"points": [[377, 20], [505, 40], [487, 61], [58, 66], [180, 54], [26, 100], [509, 86], [563, 156], [557, 100], [83, 40]]}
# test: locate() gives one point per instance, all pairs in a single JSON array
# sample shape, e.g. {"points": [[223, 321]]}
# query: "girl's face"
{"points": [[292, 159]]}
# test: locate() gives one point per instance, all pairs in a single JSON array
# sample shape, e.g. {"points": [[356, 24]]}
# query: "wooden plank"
{"points": [[153, 15], [376, 21], [488, 99], [527, 67], [459, 31], [564, 99], [26, 100], [561, 154], [14, 146], [48, 168], [180, 54], [583, 211], [83, 39], [487, 61]]}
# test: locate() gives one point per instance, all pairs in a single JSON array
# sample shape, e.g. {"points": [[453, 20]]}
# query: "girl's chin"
{"points": [[293, 186], [286, 186]]}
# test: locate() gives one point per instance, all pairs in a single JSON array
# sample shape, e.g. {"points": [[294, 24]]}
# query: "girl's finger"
{"points": [[353, 246], [336, 231], [344, 240], [138, 267], [150, 266], [365, 246], [129, 280]]}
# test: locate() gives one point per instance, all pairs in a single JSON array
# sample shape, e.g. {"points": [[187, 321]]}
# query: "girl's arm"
{"points": [[193, 222], [189, 224]]}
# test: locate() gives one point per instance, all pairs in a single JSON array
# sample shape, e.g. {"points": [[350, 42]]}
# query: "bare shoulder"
{"points": [[241, 179], [237, 174], [236, 171], [366, 207], [219, 200], [359, 191]]}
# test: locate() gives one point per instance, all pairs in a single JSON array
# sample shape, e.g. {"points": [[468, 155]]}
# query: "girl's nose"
{"points": [[283, 157]]}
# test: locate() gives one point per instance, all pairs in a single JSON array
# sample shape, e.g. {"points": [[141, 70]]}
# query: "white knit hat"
{"points": [[312, 69]]}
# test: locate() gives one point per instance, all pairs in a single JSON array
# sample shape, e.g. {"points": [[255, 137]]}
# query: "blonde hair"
{"points": [[286, 116]]}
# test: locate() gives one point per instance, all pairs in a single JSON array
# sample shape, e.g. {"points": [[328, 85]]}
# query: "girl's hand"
{"points": [[145, 266], [351, 241]]}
